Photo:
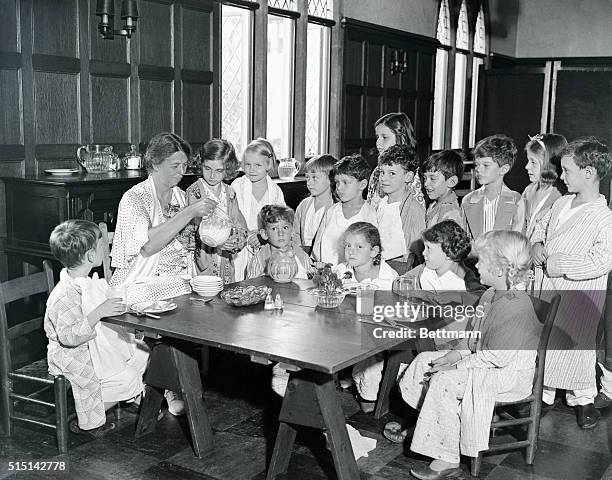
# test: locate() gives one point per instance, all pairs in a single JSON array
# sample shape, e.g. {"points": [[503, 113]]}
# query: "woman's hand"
{"points": [[234, 243], [202, 208], [253, 240]]}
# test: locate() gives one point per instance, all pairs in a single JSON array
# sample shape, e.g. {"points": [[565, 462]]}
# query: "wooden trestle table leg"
{"points": [[311, 400], [172, 368]]}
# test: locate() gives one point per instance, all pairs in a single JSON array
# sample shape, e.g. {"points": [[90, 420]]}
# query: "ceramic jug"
{"points": [[97, 158], [288, 168]]}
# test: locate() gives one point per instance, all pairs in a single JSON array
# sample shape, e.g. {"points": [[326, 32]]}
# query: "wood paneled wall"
{"points": [[62, 85], [370, 90]]}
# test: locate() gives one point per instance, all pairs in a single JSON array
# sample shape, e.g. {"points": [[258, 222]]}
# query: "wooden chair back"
{"points": [[18, 289], [546, 313]]}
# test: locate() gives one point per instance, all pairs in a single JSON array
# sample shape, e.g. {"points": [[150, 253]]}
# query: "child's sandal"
{"points": [[394, 433]]}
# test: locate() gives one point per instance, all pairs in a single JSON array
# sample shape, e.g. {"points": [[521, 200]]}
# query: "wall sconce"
{"points": [[398, 66], [105, 9]]}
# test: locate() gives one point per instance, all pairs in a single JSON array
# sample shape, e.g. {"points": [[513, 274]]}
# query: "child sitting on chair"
{"points": [[442, 172], [101, 363], [276, 227], [456, 390]]}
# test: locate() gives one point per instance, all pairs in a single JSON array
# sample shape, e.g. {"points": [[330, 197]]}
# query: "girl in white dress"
{"points": [[254, 190]]}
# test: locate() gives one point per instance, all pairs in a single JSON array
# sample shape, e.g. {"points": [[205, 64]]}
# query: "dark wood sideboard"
{"points": [[35, 204]]}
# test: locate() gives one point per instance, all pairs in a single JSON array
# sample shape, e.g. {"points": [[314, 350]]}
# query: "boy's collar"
{"points": [[449, 197]]}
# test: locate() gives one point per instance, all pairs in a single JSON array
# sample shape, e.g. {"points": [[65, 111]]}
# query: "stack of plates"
{"points": [[207, 285]]}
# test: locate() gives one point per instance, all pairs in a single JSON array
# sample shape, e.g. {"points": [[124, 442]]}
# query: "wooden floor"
{"points": [[242, 411]]}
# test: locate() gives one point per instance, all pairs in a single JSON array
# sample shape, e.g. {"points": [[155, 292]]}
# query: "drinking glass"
{"points": [[407, 285], [118, 292], [365, 299]]}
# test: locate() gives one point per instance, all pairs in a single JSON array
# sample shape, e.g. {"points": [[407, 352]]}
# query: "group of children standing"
{"points": [[358, 219]]}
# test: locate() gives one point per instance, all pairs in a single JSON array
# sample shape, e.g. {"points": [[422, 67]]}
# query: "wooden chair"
{"points": [[36, 373], [107, 240], [546, 313]]}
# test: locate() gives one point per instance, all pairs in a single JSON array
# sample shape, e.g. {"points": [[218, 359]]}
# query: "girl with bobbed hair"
{"points": [[218, 162]]}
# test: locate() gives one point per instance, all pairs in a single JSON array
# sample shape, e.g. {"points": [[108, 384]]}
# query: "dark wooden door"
{"points": [[371, 90]]}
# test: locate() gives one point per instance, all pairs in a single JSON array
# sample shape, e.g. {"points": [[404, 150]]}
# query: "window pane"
{"points": [[439, 113], [284, 4], [474, 103], [443, 30], [463, 32], [280, 84], [480, 34], [459, 100], [236, 47], [317, 89], [320, 8]]}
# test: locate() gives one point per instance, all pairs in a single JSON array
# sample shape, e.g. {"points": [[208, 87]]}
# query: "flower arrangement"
{"points": [[328, 289]]}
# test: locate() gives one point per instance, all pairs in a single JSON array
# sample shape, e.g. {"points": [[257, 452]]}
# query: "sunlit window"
{"points": [[281, 32], [317, 89], [441, 76], [480, 50], [462, 42], [236, 75]]}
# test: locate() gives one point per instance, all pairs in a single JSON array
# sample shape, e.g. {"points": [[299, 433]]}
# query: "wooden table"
{"points": [[319, 341]]}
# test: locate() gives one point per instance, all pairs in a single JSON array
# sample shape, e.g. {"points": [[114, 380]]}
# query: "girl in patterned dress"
{"points": [[218, 161]]}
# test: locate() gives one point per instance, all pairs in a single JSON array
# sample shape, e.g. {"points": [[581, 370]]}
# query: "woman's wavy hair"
{"points": [[370, 233], [401, 126], [548, 147], [453, 240], [162, 146], [219, 149], [508, 250]]}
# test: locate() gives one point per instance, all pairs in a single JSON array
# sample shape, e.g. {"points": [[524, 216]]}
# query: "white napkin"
{"points": [[361, 445]]}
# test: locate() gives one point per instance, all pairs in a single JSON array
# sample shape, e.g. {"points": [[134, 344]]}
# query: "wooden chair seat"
{"points": [[38, 370]]}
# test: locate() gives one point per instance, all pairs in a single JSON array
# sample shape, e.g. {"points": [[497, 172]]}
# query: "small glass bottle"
{"points": [[269, 303], [278, 302]]}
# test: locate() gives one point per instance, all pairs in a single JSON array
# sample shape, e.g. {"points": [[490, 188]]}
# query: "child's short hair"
{"points": [[402, 155], [262, 147], [401, 126], [500, 148], [273, 214], [547, 146], [454, 240], [370, 233], [72, 239], [590, 152], [448, 162], [508, 250], [353, 166], [321, 163], [219, 149]]}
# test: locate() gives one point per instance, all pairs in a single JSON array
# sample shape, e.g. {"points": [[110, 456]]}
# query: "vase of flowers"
{"points": [[328, 291]]}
